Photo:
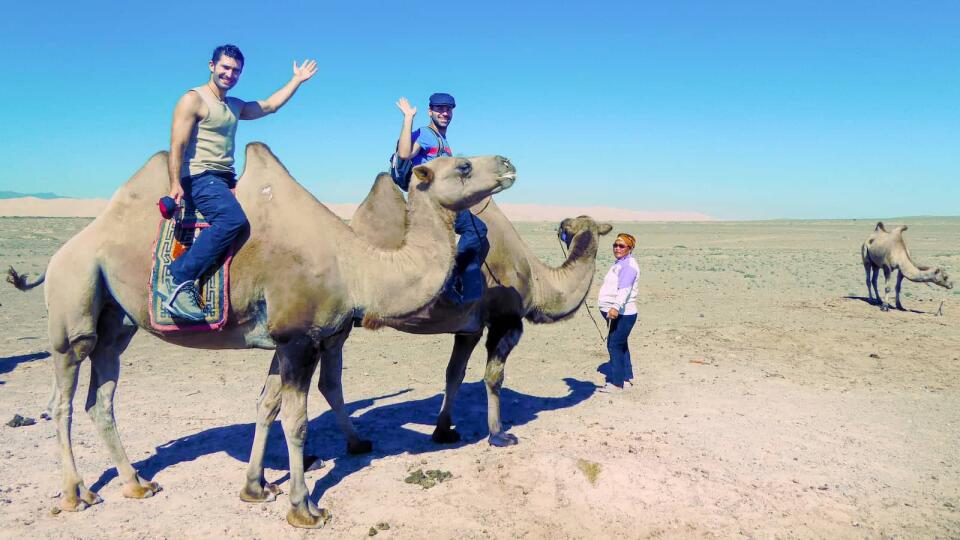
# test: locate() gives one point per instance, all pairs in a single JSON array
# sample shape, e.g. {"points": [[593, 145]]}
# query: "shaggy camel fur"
{"points": [[519, 286], [296, 283], [887, 251]]}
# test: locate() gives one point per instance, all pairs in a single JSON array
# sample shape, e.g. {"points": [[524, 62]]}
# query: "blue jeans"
{"points": [[210, 194], [466, 282], [621, 369]]}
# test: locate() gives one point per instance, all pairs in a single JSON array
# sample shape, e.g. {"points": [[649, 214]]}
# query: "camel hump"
{"points": [[880, 227], [259, 155], [899, 229]]}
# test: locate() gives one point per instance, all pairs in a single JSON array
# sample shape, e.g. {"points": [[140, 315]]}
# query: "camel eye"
{"points": [[465, 168]]}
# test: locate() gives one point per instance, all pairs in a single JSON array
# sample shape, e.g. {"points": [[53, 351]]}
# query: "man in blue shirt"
{"points": [[429, 143]]}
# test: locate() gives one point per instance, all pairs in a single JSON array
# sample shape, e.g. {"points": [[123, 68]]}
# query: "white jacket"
{"points": [[619, 287]]}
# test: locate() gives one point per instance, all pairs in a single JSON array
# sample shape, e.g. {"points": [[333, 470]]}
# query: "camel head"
{"points": [[942, 279], [457, 183], [571, 227]]}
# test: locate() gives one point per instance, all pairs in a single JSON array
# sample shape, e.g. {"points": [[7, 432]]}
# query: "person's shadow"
{"points": [[385, 425]]}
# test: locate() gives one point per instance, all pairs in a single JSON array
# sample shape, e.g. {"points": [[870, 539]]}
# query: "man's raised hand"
{"points": [[406, 108], [304, 72]]}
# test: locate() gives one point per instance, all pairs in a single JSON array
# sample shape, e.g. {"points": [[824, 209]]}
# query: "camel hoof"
{"points": [[312, 463], [445, 436], [885, 307], [300, 516], [360, 447], [502, 439], [140, 489], [73, 505], [81, 502], [90, 497], [256, 493]]}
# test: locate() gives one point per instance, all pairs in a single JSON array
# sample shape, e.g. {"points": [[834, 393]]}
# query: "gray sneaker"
{"points": [[184, 302]]}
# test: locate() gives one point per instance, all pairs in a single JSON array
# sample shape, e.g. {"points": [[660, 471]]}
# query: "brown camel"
{"points": [[887, 251], [296, 283], [519, 286]]}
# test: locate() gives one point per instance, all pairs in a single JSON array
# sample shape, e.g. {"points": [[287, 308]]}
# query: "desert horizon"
{"points": [[71, 207], [66, 207]]}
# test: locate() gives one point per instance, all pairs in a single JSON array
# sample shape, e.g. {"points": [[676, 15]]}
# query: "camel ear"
{"points": [[605, 228], [424, 173]]}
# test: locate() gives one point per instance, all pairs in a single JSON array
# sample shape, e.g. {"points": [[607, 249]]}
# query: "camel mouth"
{"points": [[505, 181]]}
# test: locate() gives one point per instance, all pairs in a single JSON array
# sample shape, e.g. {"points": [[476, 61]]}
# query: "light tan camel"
{"points": [[519, 286], [887, 251], [296, 283]]}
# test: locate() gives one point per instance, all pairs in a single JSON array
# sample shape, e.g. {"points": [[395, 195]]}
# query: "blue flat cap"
{"points": [[442, 99]]}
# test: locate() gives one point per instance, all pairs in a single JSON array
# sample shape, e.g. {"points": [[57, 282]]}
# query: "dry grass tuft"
{"points": [[590, 469]]}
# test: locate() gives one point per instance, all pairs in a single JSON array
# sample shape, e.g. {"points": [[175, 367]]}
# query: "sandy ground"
{"points": [[773, 402]]}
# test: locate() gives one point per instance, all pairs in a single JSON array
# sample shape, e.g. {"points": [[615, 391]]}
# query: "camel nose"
{"points": [[505, 164]]}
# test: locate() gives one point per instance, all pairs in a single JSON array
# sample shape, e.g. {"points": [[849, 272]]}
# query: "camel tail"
{"points": [[880, 227], [19, 280]]}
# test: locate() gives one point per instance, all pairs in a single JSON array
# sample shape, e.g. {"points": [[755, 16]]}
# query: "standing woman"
{"points": [[617, 302]]}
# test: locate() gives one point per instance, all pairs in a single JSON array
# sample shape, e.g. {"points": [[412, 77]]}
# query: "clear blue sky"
{"points": [[740, 110]]}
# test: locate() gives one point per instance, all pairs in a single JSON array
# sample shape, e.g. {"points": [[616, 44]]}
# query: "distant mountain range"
{"points": [[16, 195]]}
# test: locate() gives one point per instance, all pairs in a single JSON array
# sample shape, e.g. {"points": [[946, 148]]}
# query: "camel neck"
{"points": [[408, 279]]}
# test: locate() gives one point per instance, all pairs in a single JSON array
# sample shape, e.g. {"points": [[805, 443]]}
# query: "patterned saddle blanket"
{"points": [[174, 238]]}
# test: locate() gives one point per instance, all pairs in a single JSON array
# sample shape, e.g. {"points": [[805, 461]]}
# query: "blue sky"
{"points": [[741, 110]]}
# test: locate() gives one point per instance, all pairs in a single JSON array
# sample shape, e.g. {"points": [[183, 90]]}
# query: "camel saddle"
{"points": [[174, 238]]}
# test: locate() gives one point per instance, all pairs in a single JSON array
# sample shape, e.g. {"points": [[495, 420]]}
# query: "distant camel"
{"points": [[887, 251]]}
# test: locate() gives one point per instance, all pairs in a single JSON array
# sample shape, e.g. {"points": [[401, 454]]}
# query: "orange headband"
{"points": [[627, 239]]}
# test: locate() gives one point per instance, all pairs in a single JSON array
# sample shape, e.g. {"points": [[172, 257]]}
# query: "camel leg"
{"points": [[74, 495], [503, 336], [330, 385], [256, 488], [463, 346], [899, 283], [876, 290], [296, 370], [885, 305], [52, 402], [868, 270], [113, 338]]}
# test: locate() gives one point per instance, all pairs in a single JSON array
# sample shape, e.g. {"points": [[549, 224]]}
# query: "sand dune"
{"points": [[34, 207]]}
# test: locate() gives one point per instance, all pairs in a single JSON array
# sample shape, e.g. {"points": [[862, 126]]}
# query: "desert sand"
{"points": [[772, 401]]}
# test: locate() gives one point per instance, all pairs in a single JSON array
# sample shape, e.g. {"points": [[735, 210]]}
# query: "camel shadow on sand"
{"points": [[385, 425], [10, 363], [874, 303]]}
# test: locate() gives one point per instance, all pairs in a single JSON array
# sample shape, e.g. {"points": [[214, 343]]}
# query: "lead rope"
{"points": [[603, 338]]}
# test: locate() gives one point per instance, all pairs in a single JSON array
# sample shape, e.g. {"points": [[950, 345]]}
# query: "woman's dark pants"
{"points": [[621, 368]]}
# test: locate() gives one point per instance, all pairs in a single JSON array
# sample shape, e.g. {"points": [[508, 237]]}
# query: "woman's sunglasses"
{"points": [[620, 246]]}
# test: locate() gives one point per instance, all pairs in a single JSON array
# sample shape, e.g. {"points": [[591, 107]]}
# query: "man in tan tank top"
{"points": [[201, 169]]}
